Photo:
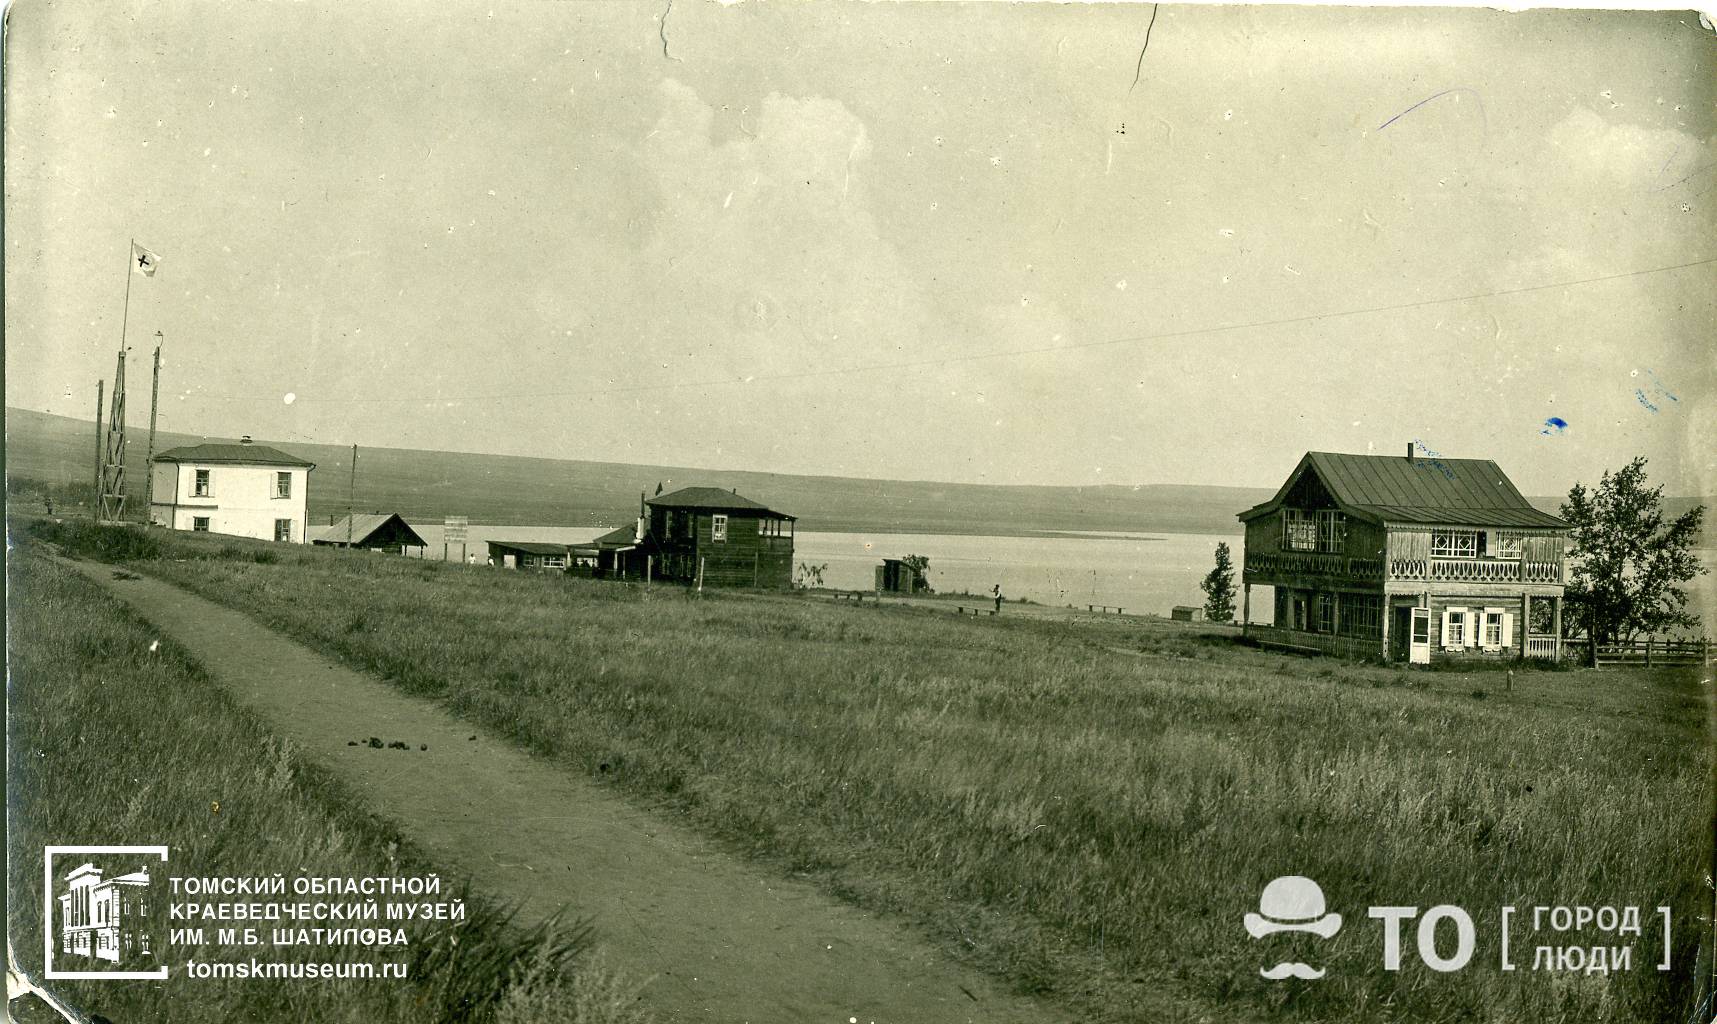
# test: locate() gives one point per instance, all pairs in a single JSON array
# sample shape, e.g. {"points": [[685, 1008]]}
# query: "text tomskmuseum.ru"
{"points": [[256, 969]]}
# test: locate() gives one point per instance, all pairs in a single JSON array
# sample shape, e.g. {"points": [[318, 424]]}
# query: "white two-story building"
{"points": [[244, 489]]}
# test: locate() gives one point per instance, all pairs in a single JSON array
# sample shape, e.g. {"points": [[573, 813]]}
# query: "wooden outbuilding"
{"points": [[894, 576], [628, 553], [372, 531], [1187, 613], [525, 554]]}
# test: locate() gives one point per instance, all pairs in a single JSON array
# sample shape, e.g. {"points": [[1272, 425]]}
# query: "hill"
{"points": [[511, 490], [519, 491]]}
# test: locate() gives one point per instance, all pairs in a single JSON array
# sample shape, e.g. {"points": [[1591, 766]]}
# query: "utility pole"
{"points": [[149, 463], [95, 495], [351, 492]]}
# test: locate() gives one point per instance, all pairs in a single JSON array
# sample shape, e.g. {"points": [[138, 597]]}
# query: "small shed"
{"points": [[375, 531], [894, 576], [525, 554], [1187, 613]]}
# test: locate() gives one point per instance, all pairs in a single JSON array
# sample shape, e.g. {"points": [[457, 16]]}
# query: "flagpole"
{"points": [[125, 317]]}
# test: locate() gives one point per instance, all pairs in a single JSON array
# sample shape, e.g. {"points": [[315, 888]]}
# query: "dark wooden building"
{"points": [[1406, 558], [372, 531], [894, 576], [628, 553], [720, 538], [528, 554]]}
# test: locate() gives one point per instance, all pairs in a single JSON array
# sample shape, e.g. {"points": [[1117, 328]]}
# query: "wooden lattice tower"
{"points": [[111, 508]]}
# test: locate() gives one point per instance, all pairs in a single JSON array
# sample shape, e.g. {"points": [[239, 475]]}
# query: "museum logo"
{"points": [[98, 907]]}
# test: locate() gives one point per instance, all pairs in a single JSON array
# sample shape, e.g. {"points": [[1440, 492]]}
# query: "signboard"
{"points": [[454, 529]]}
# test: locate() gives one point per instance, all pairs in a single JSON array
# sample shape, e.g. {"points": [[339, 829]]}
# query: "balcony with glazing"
{"points": [[1316, 548], [1475, 556]]}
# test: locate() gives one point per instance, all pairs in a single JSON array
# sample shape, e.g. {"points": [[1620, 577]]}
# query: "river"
{"points": [[1141, 572]]}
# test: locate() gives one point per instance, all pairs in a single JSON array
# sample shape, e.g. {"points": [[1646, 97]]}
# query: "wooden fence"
{"points": [[1650, 653]]}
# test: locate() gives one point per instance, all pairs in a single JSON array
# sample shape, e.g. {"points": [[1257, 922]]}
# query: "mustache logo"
{"points": [[1292, 970]]}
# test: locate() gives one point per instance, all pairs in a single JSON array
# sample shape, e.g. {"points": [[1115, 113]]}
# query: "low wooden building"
{"points": [[1187, 613], [1409, 558], [628, 553], [720, 538], [894, 576], [373, 531], [526, 554]]}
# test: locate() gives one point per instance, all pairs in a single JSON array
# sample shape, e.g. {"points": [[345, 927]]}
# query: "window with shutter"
{"points": [[1491, 638], [1455, 633]]}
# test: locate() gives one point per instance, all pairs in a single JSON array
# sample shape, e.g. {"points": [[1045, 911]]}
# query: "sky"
{"points": [[1029, 243]]}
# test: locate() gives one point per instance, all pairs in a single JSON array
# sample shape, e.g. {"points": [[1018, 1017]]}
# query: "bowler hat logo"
{"points": [[1292, 903]]}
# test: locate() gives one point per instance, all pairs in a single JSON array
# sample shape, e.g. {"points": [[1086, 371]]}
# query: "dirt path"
{"points": [[725, 941]]}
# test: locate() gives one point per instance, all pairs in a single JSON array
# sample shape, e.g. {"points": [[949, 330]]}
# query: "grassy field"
{"points": [[113, 741], [1084, 807]]}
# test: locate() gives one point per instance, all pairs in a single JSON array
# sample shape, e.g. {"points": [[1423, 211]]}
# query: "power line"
{"points": [[910, 364]]}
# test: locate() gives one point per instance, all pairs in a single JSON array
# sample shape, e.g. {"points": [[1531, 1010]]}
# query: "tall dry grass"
{"points": [[1087, 809], [114, 738]]}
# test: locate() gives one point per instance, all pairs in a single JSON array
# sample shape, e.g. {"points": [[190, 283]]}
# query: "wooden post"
{"points": [[700, 573], [149, 461], [351, 490], [1245, 609], [95, 495], [1556, 624], [1385, 614], [1525, 630], [649, 567], [1648, 652]]}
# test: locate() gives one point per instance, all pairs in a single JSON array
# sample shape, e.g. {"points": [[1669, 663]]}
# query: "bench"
{"points": [[975, 611], [1104, 609]]}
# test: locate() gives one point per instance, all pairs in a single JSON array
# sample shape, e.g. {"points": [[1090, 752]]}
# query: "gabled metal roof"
{"points": [[529, 547], [712, 499], [1421, 489], [363, 525], [236, 454]]}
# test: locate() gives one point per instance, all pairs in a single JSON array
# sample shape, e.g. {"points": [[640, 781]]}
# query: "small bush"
{"points": [[83, 538]]}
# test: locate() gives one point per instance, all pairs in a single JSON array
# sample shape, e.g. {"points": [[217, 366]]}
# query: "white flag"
{"points": [[143, 261]]}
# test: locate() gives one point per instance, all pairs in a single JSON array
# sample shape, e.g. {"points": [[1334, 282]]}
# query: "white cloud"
{"points": [[1604, 152]]}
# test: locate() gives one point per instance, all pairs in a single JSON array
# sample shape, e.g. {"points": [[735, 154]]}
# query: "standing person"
{"points": [[996, 592]]}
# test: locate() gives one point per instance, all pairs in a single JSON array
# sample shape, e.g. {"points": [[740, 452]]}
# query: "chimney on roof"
{"points": [[1409, 451], [244, 440]]}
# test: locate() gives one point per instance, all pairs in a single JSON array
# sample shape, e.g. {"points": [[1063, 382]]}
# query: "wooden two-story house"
{"points": [[1406, 558], [715, 537]]}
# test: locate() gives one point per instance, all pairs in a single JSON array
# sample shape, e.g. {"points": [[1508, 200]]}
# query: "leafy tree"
{"points": [[1627, 562], [811, 575], [1218, 587], [919, 567]]}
